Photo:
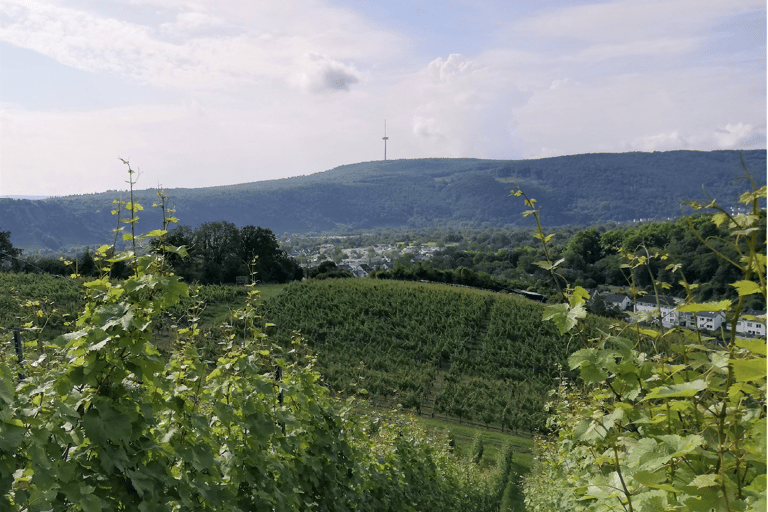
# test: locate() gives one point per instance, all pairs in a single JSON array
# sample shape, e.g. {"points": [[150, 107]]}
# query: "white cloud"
{"points": [[661, 46], [251, 89], [659, 142], [628, 20], [427, 127], [647, 111], [565, 82], [254, 43], [734, 135], [319, 73], [446, 70]]}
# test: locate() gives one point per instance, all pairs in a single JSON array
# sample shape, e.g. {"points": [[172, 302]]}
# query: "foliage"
{"points": [[41, 305], [8, 253], [582, 189], [670, 420], [329, 270], [99, 420], [219, 252]]}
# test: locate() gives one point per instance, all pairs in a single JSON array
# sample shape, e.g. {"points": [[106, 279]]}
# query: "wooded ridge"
{"points": [[578, 189]]}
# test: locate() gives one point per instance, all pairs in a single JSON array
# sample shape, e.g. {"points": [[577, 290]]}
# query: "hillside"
{"points": [[439, 350], [578, 190]]}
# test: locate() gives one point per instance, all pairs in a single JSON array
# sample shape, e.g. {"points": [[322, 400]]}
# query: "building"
{"points": [[666, 308], [620, 302], [709, 320], [748, 324]]}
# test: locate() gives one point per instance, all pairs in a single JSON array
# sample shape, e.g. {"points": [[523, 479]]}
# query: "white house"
{"points": [[750, 326], [666, 307], [622, 302], [709, 320]]}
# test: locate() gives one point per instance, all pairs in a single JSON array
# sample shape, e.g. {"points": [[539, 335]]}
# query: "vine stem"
{"points": [[621, 479]]}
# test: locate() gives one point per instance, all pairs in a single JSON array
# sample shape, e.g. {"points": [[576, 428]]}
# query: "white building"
{"points": [[666, 308], [748, 324], [709, 320], [621, 302]]}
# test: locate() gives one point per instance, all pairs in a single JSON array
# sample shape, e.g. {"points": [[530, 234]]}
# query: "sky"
{"points": [[203, 93]]}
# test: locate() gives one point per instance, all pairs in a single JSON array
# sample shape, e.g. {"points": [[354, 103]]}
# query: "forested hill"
{"points": [[575, 190]]}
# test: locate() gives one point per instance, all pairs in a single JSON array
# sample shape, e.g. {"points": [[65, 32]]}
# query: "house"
{"points": [[666, 307], [619, 301], [356, 270], [686, 320], [709, 320], [749, 325]]}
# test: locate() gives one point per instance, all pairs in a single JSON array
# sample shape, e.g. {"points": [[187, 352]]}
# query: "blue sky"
{"points": [[215, 92]]}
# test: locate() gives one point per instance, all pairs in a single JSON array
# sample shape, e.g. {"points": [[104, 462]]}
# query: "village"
{"points": [[666, 311]]}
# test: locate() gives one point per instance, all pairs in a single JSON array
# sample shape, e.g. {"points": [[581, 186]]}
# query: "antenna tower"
{"points": [[385, 138]]}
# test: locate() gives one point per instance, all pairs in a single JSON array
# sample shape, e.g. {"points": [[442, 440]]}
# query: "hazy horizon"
{"points": [[210, 93]]}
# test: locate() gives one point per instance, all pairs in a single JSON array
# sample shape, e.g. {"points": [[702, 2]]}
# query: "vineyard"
{"points": [[40, 304], [443, 351], [99, 419]]}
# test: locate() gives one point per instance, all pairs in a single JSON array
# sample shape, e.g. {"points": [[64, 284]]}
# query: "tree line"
{"points": [[218, 253]]}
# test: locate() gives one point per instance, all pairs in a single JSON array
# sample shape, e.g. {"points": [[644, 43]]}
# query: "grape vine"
{"points": [[666, 419]]}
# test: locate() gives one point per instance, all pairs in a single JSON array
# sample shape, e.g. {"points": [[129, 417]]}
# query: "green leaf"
{"points": [[92, 503], [103, 423], [709, 480], [558, 313], [648, 456], [579, 296], [747, 370], [123, 256], [708, 498], [547, 265], [11, 435], [180, 250], [7, 390], [756, 346], [679, 446], [114, 315], [746, 287], [723, 305], [678, 390]]}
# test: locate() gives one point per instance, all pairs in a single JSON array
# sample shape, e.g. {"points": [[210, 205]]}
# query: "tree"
{"points": [[259, 248], [8, 253], [586, 246], [216, 246], [86, 264]]}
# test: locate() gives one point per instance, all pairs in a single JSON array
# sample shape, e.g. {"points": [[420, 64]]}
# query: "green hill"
{"points": [[447, 351], [578, 189]]}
